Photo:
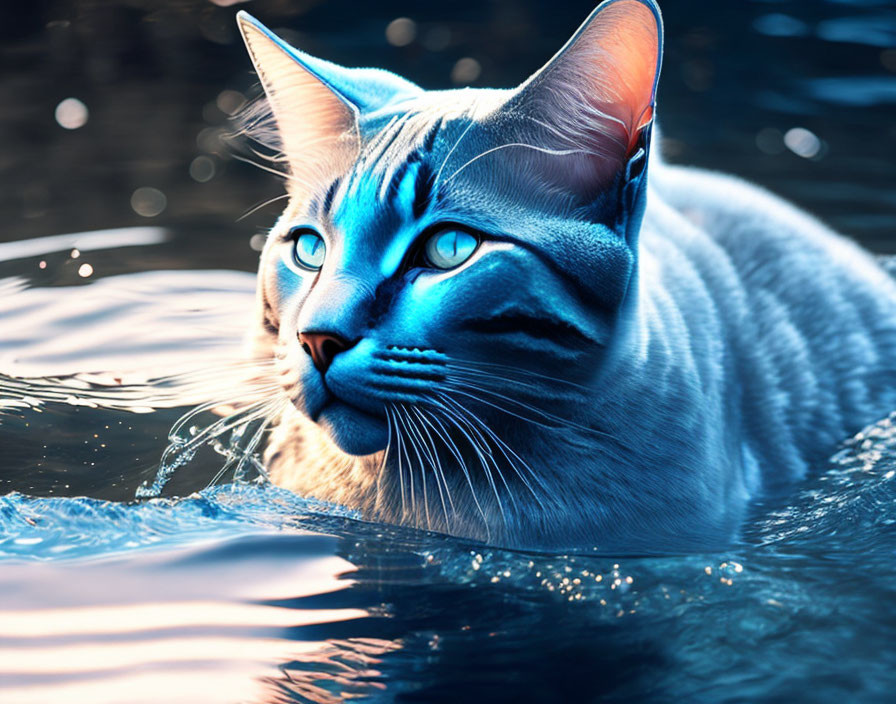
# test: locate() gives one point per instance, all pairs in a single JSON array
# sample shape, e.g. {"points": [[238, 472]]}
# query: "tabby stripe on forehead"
{"points": [[381, 143], [328, 198], [423, 193], [423, 176]]}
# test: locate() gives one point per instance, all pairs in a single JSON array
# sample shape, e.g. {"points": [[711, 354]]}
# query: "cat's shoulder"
{"points": [[749, 222]]}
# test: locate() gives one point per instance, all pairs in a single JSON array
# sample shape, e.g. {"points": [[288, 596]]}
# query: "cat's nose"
{"points": [[323, 347]]}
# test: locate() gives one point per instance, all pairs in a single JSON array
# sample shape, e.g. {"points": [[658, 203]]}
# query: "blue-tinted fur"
{"points": [[652, 354]]}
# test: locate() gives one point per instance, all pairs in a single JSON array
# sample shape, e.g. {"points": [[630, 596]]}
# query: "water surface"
{"points": [[120, 310]]}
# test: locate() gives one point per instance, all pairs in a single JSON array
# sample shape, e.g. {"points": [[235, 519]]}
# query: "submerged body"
{"points": [[496, 316]]}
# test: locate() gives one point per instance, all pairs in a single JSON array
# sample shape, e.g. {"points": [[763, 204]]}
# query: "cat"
{"points": [[499, 314]]}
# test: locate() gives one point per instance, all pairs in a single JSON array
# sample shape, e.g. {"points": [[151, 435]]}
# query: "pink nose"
{"points": [[323, 347]]}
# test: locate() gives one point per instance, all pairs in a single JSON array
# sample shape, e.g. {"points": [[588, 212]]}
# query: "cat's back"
{"points": [[809, 317]]}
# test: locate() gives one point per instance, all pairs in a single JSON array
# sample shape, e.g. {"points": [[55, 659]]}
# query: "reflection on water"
{"points": [[246, 593], [250, 593]]}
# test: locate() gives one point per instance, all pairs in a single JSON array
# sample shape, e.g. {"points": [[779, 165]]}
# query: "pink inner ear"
{"points": [[627, 31], [605, 79]]}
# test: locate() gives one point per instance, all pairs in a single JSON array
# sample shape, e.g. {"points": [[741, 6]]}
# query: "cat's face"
{"points": [[464, 248]]}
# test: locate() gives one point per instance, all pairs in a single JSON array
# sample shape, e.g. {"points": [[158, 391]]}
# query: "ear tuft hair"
{"points": [[314, 128]]}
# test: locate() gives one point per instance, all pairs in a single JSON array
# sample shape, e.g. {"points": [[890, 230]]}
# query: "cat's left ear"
{"points": [[596, 95], [316, 128]]}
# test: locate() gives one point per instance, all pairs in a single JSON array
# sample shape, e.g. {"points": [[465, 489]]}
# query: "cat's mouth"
{"points": [[363, 386], [354, 431]]}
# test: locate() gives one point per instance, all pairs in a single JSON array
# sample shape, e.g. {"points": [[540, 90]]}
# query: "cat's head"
{"points": [[454, 249]]}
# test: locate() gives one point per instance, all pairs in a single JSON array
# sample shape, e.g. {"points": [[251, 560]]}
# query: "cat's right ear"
{"points": [[316, 126], [596, 95]]}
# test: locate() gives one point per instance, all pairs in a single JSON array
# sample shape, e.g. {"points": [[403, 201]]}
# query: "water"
{"points": [[247, 593]]}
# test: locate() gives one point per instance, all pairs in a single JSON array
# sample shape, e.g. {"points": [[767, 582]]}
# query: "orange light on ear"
{"points": [[646, 119], [620, 56], [596, 95]]}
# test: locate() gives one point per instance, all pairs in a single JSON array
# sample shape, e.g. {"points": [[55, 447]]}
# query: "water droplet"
{"points": [[85, 270]]}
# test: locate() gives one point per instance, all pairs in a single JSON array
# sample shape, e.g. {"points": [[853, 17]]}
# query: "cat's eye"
{"points": [[309, 249], [449, 248]]}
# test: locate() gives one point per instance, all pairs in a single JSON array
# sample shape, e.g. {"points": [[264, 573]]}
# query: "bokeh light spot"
{"points": [[71, 114], [148, 202], [202, 169], [802, 142], [229, 101], [256, 242], [401, 31], [465, 71]]}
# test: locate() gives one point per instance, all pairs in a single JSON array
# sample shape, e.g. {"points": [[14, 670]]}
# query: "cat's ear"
{"points": [[317, 128], [596, 95]]}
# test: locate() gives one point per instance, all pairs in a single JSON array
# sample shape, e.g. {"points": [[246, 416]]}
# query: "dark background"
{"points": [[154, 76]]}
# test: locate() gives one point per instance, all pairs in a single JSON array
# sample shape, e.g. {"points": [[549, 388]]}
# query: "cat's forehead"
{"points": [[409, 150], [422, 127]]}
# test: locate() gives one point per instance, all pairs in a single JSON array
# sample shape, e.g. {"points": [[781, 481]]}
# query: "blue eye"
{"points": [[309, 250], [449, 248]]}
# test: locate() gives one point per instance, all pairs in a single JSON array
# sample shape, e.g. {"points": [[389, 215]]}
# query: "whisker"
{"points": [[390, 409], [543, 150], [437, 467], [258, 207], [480, 451], [420, 443], [280, 174], [457, 142], [458, 387], [405, 419], [431, 418], [174, 432], [507, 451], [467, 473], [478, 366], [382, 471], [404, 449], [468, 417]]}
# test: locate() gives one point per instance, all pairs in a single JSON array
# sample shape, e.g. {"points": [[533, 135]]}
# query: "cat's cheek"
{"points": [[287, 289]]}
